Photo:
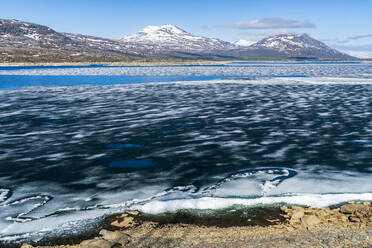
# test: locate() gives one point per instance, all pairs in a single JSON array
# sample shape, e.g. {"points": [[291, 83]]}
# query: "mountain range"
{"points": [[28, 42]]}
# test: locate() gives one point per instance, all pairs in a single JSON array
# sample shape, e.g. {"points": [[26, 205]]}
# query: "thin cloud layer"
{"points": [[360, 37], [270, 23]]}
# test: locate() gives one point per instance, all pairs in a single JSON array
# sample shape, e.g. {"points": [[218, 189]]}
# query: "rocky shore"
{"points": [[349, 225]]}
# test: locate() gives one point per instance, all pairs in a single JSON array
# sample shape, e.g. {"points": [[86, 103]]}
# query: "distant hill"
{"points": [[28, 42], [168, 38], [300, 46]]}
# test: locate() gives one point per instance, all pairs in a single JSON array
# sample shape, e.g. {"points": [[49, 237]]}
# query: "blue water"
{"points": [[11, 68], [273, 134], [10, 82], [145, 66], [19, 81], [119, 146], [142, 163]]}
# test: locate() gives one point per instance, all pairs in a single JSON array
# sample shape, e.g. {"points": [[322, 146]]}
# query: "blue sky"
{"points": [[345, 25]]}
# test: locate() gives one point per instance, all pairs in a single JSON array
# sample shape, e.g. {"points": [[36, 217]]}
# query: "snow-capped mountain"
{"points": [[171, 38], [101, 43], [299, 45], [244, 43], [28, 42], [18, 32]]}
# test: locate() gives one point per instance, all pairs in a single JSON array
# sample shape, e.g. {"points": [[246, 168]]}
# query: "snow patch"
{"points": [[312, 200], [244, 43]]}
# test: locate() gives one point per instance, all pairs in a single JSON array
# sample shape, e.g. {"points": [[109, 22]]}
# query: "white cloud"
{"points": [[364, 36], [270, 23]]}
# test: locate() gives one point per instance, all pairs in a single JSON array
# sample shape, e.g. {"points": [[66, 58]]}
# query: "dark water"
{"points": [[78, 152], [171, 127]]}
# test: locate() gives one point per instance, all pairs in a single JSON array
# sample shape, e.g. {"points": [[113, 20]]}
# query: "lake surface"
{"points": [[79, 143]]}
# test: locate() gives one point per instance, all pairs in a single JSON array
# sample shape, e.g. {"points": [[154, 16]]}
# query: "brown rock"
{"points": [[296, 207], [350, 208], [335, 211], [97, 243], [133, 212], [343, 218], [354, 219], [26, 246], [360, 214], [289, 228], [284, 209], [124, 240], [323, 213], [108, 235], [309, 221], [333, 220], [367, 203], [347, 209], [297, 214], [125, 222], [116, 236]]}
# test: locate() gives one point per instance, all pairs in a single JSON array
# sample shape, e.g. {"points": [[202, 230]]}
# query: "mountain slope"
{"points": [[300, 45], [28, 42], [166, 38]]}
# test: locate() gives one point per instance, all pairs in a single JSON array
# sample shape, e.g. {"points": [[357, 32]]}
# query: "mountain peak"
{"points": [[299, 45], [286, 37], [165, 38], [244, 43], [168, 28]]}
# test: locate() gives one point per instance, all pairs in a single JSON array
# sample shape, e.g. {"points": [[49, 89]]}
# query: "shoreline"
{"points": [[288, 226], [160, 63], [124, 63]]}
